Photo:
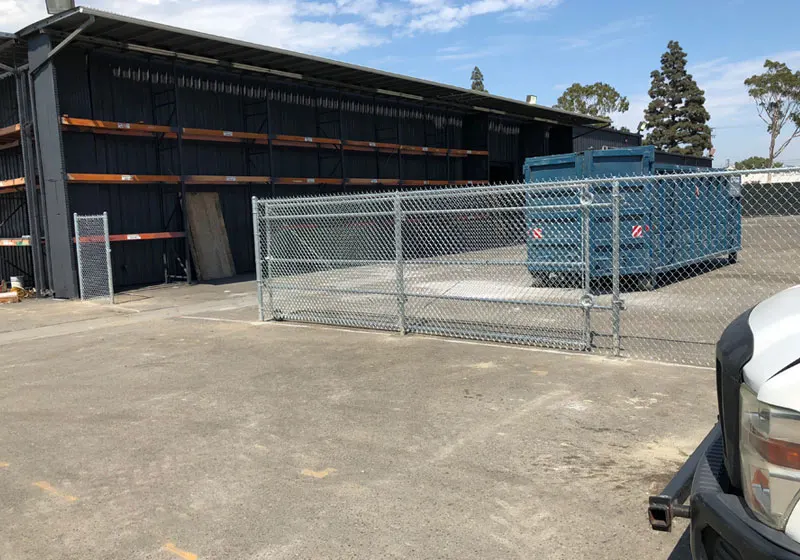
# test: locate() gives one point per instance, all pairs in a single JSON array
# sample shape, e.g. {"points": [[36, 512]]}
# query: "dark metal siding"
{"points": [[585, 138], [684, 160]]}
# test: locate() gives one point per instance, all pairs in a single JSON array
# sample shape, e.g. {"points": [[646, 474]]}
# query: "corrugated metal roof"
{"points": [[146, 36]]}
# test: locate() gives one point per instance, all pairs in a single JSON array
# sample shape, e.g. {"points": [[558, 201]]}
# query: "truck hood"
{"points": [[775, 324]]}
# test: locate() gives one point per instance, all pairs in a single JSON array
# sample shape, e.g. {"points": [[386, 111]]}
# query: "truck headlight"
{"points": [[769, 445]]}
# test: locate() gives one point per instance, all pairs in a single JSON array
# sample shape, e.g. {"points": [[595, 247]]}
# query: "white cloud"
{"points": [[19, 13], [289, 24], [723, 82], [738, 131], [609, 35], [444, 15], [491, 47], [328, 26]]}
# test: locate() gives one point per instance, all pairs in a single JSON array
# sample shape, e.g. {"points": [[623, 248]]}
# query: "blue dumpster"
{"points": [[665, 224]]}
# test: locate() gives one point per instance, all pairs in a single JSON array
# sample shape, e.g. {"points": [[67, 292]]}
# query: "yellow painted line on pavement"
{"points": [[317, 474], [50, 490], [3, 465], [169, 547]]}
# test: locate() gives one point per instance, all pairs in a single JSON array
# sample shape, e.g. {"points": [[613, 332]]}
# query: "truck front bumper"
{"points": [[722, 528]]}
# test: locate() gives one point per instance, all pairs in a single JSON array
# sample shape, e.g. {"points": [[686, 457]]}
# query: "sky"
{"points": [[523, 47]]}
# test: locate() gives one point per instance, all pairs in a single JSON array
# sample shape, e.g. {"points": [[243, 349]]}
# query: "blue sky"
{"points": [[522, 46]]}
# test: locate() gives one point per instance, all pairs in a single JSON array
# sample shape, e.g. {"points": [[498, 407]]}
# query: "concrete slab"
{"points": [[191, 430]]}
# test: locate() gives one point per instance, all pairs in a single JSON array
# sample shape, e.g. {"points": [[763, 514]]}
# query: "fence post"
{"points": [[268, 257], [586, 300], [78, 252], [616, 302], [259, 260], [398, 260], [108, 258]]}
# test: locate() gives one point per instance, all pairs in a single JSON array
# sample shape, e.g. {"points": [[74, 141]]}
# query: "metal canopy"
{"points": [[145, 36]]}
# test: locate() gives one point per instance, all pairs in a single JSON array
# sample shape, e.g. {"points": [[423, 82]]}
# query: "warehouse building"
{"points": [[104, 113]]}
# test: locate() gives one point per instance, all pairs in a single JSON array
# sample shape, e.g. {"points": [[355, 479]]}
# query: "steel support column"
{"points": [[53, 184], [341, 146], [273, 174]]}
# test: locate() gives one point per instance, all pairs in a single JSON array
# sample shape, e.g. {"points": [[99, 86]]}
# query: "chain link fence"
{"points": [[719, 244], [651, 267], [93, 252]]}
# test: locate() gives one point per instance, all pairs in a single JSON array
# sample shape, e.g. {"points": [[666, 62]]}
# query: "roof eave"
{"points": [[512, 107], [37, 26]]}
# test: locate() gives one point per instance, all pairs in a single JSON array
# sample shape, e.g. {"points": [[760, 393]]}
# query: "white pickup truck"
{"points": [[743, 481]]}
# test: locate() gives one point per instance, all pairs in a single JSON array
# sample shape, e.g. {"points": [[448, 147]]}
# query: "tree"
{"points": [[777, 96], [598, 99], [676, 117], [756, 162], [477, 79]]}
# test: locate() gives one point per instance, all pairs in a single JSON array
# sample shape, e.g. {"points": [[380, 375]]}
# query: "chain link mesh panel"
{"points": [[651, 267], [699, 250], [463, 262], [93, 252]]}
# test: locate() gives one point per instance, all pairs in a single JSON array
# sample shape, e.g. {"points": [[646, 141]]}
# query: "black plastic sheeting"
{"points": [[131, 88], [14, 261], [11, 164], [8, 102]]}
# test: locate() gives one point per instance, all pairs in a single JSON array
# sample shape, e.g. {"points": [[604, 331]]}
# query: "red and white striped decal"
{"points": [[637, 231], [536, 233]]}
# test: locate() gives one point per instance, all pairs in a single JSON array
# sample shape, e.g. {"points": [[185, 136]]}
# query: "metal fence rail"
{"points": [[651, 266], [93, 252]]}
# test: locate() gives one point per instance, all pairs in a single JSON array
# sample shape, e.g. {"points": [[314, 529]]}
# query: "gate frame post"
{"points": [[616, 301], [78, 252], [398, 259], [107, 242], [268, 257], [259, 260], [588, 300]]}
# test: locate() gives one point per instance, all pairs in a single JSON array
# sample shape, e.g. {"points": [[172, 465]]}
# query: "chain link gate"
{"points": [[93, 252], [651, 267], [503, 263]]}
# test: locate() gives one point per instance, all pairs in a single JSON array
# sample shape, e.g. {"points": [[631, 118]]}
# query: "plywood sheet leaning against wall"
{"points": [[211, 250]]}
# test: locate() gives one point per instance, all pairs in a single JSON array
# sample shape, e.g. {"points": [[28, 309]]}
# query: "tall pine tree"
{"points": [[477, 79], [676, 118]]}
